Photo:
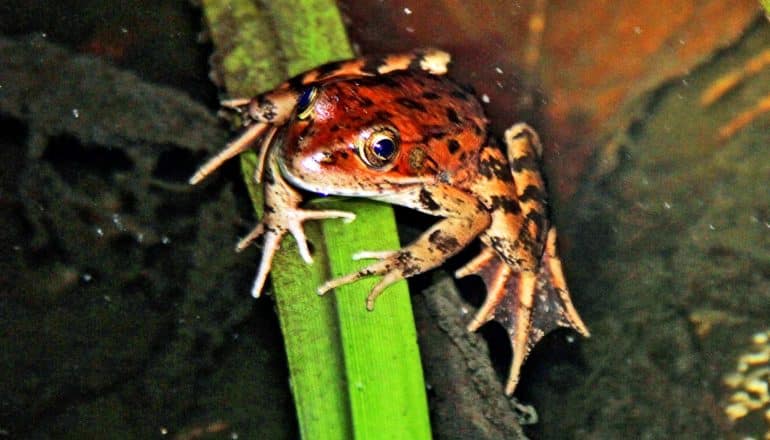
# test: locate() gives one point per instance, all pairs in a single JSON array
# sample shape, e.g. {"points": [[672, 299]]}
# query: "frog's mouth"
{"points": [[347, 185]]}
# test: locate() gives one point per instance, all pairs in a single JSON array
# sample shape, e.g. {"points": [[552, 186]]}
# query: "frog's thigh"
{"points": [[465, 219], [522, 141], [519, 236]]}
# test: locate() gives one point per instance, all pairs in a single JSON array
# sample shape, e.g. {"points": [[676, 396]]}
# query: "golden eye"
{"points": [[380, 148], [305, 102]]}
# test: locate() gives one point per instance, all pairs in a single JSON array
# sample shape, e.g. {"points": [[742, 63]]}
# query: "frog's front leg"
{"points": [[282, 215], [465, 218]]}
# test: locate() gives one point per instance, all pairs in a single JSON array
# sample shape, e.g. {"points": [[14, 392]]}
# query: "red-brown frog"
{"points": [[395, 129]]}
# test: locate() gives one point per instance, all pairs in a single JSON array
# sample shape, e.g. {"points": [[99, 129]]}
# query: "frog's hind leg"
{"points": [[234, 148], [527, 305], [509, 301], [526, 291], [267, 140], [262, 116], [495, 275]]}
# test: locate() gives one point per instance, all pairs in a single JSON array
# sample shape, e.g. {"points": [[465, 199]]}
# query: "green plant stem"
{"points": [[354, 374], [766, 4]]}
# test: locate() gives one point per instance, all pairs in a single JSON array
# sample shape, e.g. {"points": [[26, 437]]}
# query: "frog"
{"points": [[396, 129]]}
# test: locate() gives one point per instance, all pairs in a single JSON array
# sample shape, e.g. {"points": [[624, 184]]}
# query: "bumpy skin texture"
{"points": [[394, 129]]}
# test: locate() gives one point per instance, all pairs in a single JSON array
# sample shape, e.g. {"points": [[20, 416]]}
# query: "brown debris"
{"points": [[745, 118], [734, 78]]}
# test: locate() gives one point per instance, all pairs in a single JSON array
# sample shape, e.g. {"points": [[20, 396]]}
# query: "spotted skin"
{"points": [[332, 131]]}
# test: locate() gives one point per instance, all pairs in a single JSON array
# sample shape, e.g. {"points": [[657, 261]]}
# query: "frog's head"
{"points": [[372, 136]]}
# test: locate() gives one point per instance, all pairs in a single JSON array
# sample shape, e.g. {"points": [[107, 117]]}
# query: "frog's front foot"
{"points": [[393, 266], [274, 227]]}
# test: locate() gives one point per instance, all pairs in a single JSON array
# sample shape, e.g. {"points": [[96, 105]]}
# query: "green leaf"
{"points": [[354, 374]]}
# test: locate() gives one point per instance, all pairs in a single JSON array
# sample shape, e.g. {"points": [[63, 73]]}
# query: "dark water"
{"points": [[124, 313]]}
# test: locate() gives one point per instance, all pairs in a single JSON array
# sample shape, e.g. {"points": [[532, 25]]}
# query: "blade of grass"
{"points": [[353, 373], [382, 360], [250, 63]]}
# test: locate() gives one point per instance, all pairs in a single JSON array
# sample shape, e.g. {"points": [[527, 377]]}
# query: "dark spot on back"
{"points": [[460, 94], [431, 95], [453, 146], [411, 104], [388, 81], [452, 115], [372, 64], [433, 132], [365, 102]]}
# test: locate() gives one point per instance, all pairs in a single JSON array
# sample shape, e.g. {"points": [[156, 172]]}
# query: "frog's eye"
{"points": [[305, 102], [380, 148]]}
